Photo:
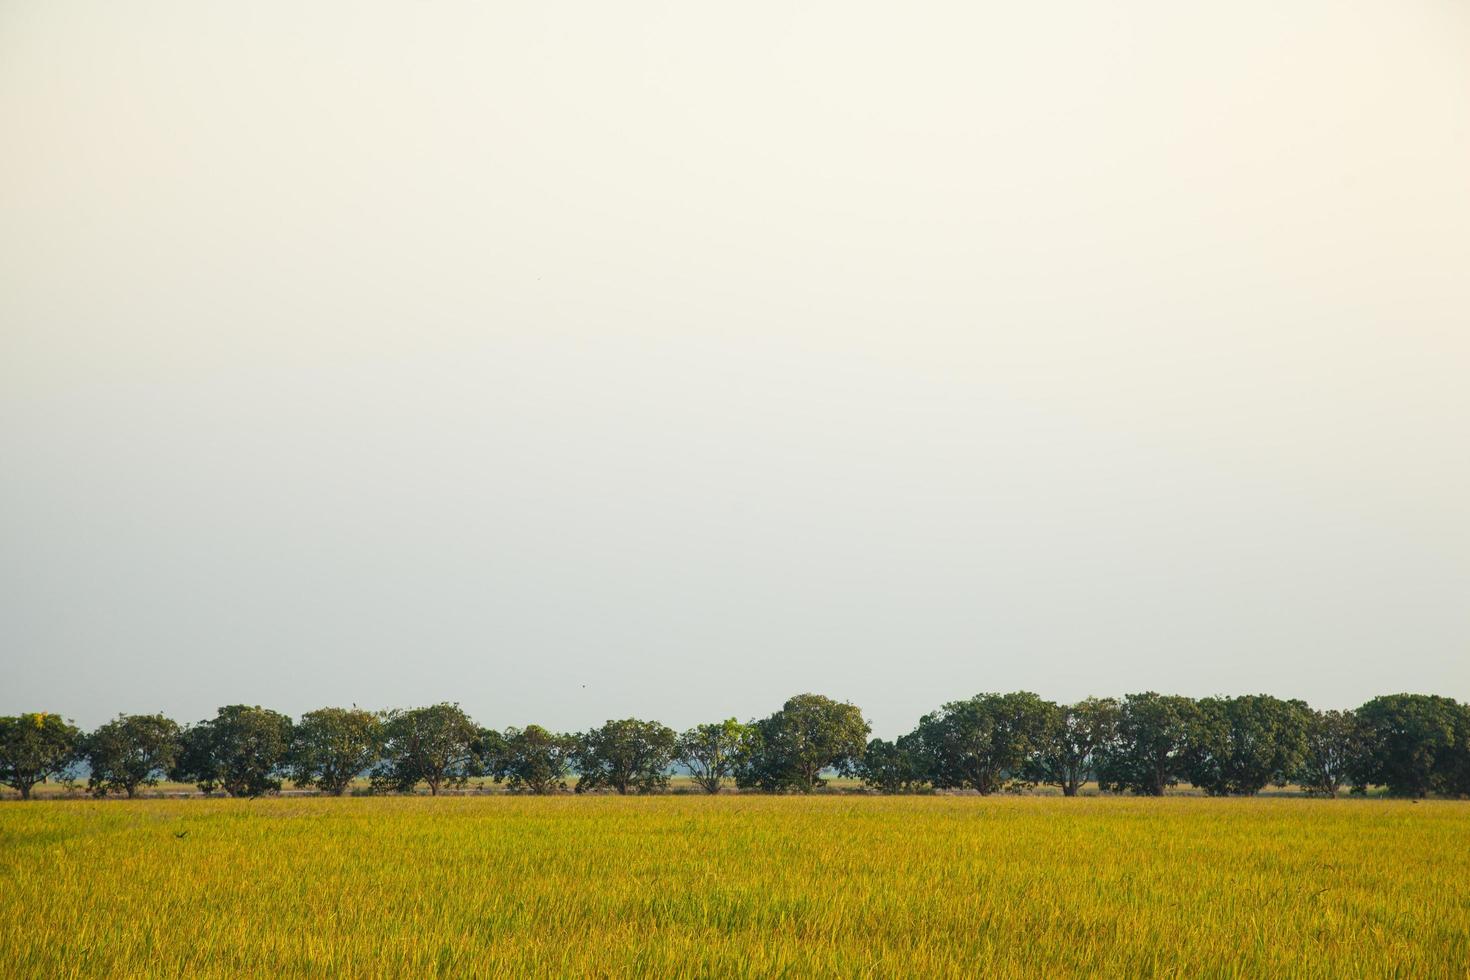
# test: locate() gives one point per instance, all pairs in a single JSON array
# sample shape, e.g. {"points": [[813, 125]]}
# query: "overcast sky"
{"points": [[577, 360]]}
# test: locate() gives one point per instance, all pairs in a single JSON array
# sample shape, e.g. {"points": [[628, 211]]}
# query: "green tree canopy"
{"points": [[244, 749], [1410, 743], [1075, 736], [195, 762], [35, 747], [131, 751], [1147, 755], [437, 745], [893, 767], [534, 760], [791, 748], [624, 755], [333, 746], [1331, 753], [984, 742], [1452, 776], [712, 752], [1238, 745]]}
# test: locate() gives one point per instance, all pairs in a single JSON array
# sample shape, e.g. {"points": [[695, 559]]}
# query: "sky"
{"points": [[579, 360]]}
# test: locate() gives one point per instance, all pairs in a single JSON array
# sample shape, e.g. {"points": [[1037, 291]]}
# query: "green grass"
{"points": [[668, 885]]}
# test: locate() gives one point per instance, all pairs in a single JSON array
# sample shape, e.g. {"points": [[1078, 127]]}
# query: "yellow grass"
{"points": [[735, 885]]}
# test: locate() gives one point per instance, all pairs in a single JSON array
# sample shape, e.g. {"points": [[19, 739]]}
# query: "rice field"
{"points": [[740, 885]]}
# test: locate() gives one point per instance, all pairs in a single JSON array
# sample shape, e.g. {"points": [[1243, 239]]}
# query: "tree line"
{"points": [[1410, 744]]}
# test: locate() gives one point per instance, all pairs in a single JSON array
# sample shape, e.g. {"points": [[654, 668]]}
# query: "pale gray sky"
{"points": [[576, 360]]}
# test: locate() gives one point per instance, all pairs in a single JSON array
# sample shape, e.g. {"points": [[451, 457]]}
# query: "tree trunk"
{"points": [[1069, 789], [25, 791]]}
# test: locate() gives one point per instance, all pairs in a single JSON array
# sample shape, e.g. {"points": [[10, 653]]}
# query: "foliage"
{"points": [[982, 743], [1453, 775], [437, 745], [1332, 752], [1410, 743], [534, 760], [243, 749], [791, 748], [333, 746], [195, 762], [1238, 745], [893, 767], [130, 751], [712, 752], [624, 755], [1074, 736], [1148, 754], [35, 747]]}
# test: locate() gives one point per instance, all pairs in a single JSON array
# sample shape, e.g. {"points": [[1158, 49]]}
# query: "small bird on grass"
{"points": [[180, 835]]}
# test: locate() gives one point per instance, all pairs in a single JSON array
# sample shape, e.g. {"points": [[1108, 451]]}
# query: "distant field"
{"points": [[846, 885], [484, 787]]}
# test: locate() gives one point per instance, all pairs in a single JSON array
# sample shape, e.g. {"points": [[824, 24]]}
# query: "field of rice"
{"points": [[742, 885]]}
